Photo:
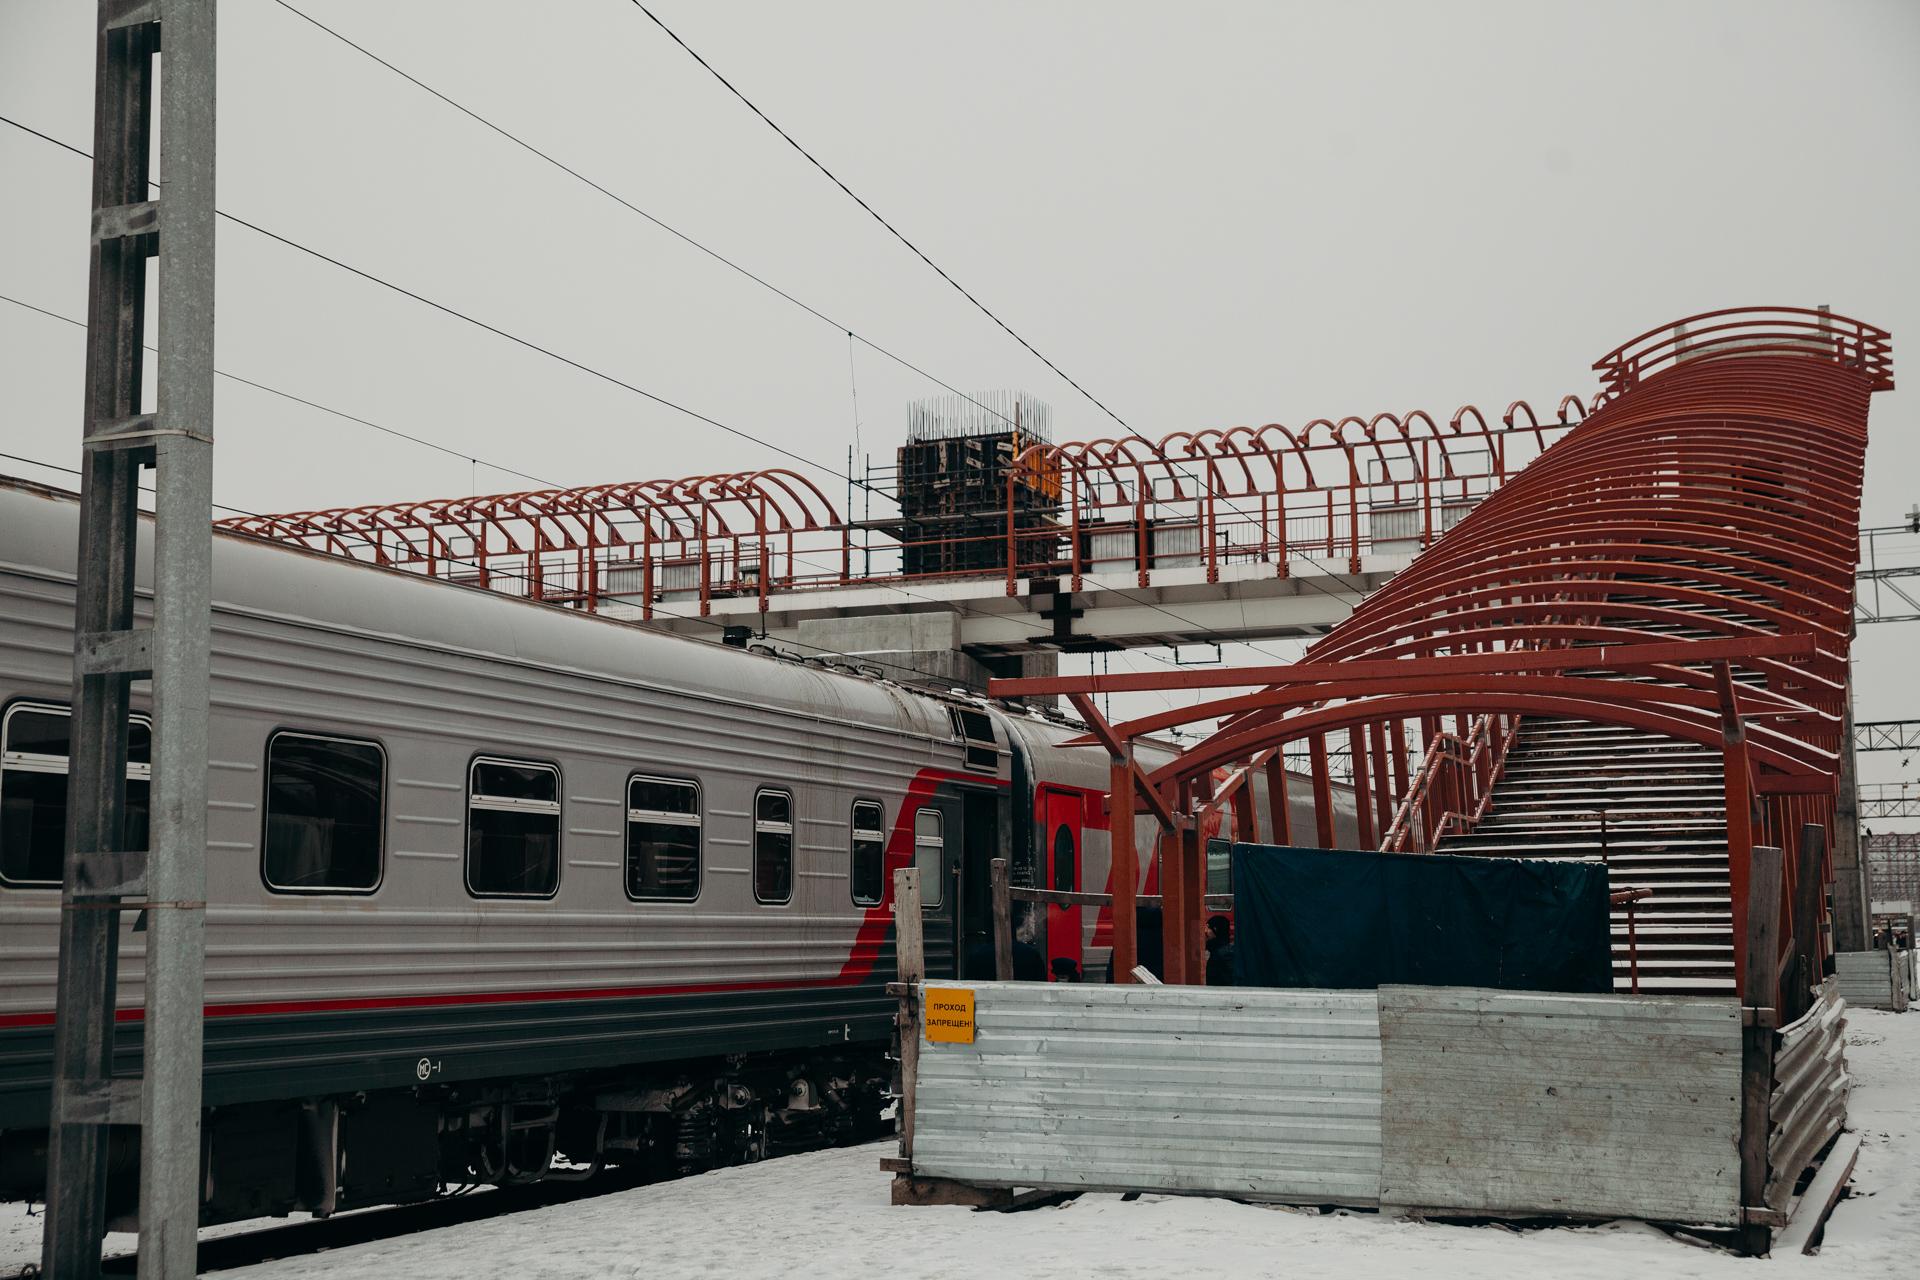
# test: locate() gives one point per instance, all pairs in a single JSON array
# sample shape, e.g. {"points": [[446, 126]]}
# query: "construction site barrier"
{"points": [[1878, 979]]}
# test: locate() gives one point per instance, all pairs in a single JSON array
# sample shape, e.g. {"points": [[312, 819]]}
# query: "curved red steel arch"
{"points": [[558, 544], [1709, 492]]}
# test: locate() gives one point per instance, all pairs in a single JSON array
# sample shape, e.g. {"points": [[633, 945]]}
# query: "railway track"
{"points": [[315, 1235]]}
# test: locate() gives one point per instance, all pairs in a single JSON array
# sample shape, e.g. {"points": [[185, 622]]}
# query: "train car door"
{"points": [[1062, 833], [980, 845], [936, 841]]}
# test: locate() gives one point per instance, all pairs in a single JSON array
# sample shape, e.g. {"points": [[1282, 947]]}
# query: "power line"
{"points": [[457, 314], [531, 345], [314, 404], [627, 204], [964, 292], [895, 231]]}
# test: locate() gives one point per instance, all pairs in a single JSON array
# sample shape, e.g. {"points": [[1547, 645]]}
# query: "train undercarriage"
{"points": [[325, 1155]]}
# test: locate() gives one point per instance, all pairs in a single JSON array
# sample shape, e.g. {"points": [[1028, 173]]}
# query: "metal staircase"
{"points": [[1653, 809]]}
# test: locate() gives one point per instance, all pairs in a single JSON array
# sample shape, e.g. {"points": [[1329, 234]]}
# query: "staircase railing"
{"points": [[1456, 774]]}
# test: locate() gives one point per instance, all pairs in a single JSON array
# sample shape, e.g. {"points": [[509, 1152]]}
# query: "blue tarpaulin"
{"points": [[1354, 919]]}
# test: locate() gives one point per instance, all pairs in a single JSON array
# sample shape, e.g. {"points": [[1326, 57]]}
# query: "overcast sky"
{"points": [[1206, 214]]}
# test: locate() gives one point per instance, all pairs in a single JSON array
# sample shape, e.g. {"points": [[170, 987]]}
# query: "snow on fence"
{"points": [[1259, 1094], [1519, 1103], [1874, 979]]}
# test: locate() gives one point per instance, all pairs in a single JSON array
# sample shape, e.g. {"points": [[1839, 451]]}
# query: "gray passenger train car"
{"points": [[492, 883]]}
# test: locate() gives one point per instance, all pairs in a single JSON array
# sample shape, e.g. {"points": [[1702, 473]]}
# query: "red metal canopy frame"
{"points": [[576, 546], [1331, 491], [1681, 561]]}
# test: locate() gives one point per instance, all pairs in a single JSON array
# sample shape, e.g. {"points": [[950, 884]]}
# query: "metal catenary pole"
{"points": [[105, 872]]}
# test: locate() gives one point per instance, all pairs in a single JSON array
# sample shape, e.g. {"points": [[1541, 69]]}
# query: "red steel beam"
{"points": [[1614, 656], [1121, 748]]}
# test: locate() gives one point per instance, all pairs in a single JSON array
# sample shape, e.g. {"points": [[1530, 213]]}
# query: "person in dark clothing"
{"points": [[1219, 952], [1028, 964]]}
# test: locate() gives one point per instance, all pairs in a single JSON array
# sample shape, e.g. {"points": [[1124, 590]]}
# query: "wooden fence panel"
{"points": [[1512, 1103]]}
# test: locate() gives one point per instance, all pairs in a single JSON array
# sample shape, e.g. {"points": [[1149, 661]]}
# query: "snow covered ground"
{"points": [[828, 1215]]}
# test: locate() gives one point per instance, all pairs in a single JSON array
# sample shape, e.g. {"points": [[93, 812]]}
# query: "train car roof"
{"points": [[39, 530]]}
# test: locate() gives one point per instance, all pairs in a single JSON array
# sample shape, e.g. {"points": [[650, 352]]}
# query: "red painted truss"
{"points": [[1681, 561]]}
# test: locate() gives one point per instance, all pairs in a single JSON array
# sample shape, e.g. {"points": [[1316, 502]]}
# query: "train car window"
{"points": [[975, 728], [663, 839], [324, 814], [1219, 866], [513, 829], [1063, 860], [930, 855], [33, 792], [773, 846], [867, 873]]}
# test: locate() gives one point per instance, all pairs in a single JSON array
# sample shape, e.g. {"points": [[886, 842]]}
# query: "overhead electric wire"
{"points": [[477, 323], [942, 273], [314, 404], [669, 228], [872, 212]]}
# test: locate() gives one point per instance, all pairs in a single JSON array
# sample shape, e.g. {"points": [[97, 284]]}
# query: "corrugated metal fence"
{"points": [[1254, 1093], [1810, 1083], [1873, 979], [1494, 1102]]}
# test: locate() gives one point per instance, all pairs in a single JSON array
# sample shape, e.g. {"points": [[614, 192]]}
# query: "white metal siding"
{"points": [[1176, 546], [1866, 979], [1510, 1102], [1267, 1094]]}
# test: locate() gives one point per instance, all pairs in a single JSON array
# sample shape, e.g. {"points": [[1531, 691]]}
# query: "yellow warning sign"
{"points": [[949, 1015]]}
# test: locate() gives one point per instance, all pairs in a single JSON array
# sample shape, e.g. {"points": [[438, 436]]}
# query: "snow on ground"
{"points": [[828, 1215]]}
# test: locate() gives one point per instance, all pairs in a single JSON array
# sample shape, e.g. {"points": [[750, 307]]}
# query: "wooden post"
{"points": [[1125, 858], [909, 954], [1322, 790], [1002, 923], [1759, 995], [1281, 831], [910, 963], [1808, 890]]}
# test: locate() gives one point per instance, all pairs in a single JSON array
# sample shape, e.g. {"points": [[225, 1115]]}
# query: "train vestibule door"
{"points": [[1063, 830]]}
